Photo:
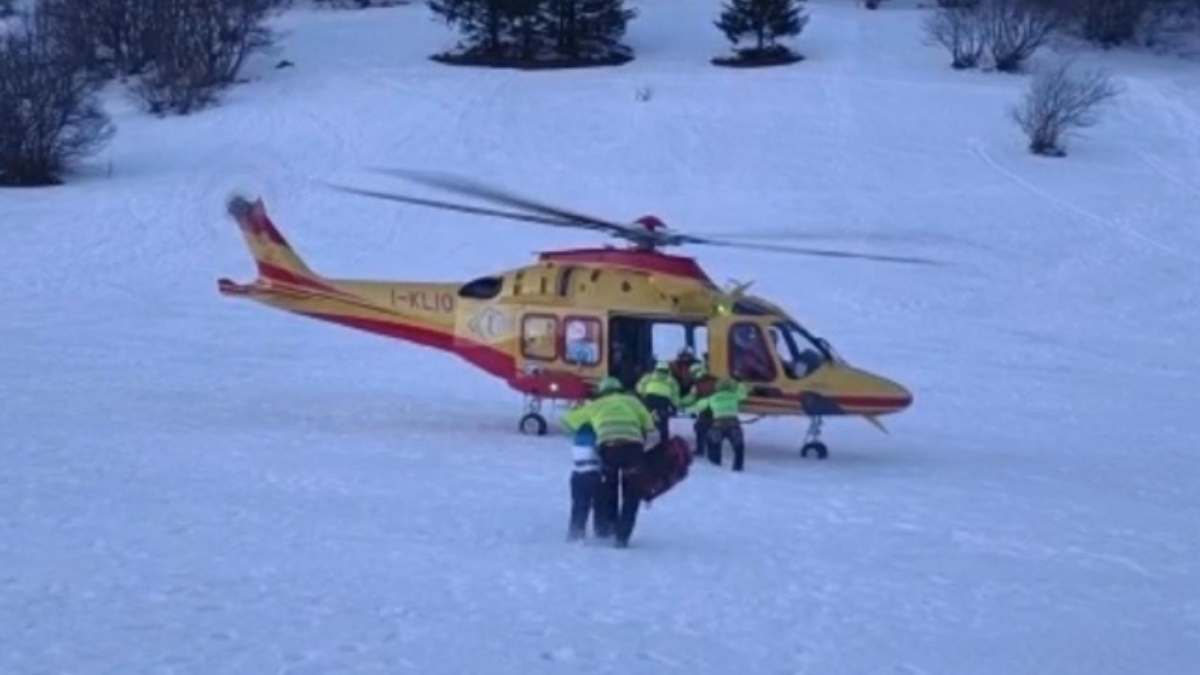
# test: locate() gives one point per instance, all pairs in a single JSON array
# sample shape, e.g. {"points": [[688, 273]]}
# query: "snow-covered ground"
{"points": [[194, 485]]}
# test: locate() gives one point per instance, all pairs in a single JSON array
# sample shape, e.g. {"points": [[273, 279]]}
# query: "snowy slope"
{"points": [[194, 485]]}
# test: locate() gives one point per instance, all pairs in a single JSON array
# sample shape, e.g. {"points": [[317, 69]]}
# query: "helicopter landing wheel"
{"points": [[533, 424], [815, 447], [812, 441]]}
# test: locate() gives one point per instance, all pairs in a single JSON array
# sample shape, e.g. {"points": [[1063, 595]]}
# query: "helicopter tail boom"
{"points": [[272, 252], [280, 268]]}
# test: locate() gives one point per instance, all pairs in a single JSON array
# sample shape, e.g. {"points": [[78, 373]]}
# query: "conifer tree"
{"points": [[485, 25], [766, 21], [586, 28], [532, 30], [602, 25]]}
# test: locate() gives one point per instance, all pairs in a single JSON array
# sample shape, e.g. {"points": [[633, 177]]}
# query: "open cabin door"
{"points": [[638, 342]]}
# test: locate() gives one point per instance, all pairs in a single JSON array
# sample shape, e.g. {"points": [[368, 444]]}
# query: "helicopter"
{"points": [[553, 328]]}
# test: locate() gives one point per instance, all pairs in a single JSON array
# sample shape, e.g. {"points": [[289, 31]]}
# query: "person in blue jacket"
{"points": [[586, 478]]}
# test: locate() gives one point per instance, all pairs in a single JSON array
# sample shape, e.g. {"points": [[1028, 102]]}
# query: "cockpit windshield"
{"points": [[799, 352]]}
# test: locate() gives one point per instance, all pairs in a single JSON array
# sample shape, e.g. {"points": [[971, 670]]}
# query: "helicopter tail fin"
{"points": [[274, 256]]}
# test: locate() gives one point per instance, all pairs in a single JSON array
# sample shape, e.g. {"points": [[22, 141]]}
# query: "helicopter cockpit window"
{"points": [[582, 344], [798, 353], [484, 288], [749, 358], [747, 307]]}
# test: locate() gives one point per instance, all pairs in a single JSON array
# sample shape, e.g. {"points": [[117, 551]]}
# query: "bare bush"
{"points": [[1060, 102], [959, 30], [358, 4], [50, 115], [1009, 31], [198, 48], [1015, 29], [1168, 23], [111, 36], [1109, 22]]}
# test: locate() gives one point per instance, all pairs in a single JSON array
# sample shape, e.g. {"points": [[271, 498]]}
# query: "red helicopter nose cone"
{"points": [[651, 223]]}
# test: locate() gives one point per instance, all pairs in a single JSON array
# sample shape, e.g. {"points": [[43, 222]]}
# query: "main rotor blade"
{"points": [[461, 208], [825, 253], [791, 234], [470, 188]]}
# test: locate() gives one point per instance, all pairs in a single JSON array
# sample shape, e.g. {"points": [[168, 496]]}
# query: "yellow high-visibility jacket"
{"points": [[615, 417]]}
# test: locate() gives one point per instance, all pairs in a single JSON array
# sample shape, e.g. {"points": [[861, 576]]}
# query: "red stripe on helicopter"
{"points": [[259, 223], [874, 401], [489, 359], [275, 273], [850, 404], [645, 261]]}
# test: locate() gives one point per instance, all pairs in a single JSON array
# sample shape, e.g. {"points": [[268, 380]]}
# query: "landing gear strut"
{"points": [[812, 440], [532, 422]]}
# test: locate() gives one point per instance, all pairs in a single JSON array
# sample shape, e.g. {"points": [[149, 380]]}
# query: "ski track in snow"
{"points": [[194, 485], [1105, 223], [1157, 165]]}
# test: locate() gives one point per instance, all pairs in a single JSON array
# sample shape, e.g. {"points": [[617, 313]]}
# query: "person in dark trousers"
{"points": [[621, 422], [681, 368], [660, 390], [585, 485], [725, 404], [703, 386]]}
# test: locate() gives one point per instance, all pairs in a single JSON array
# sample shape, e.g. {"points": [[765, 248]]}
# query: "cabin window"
{"points": [[698, 341], [564, 280], [484, 288], [668, 340], [750, 358], [539, 337], [582, 341]]}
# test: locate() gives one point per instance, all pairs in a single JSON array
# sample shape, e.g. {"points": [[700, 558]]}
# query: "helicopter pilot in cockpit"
{"points": [[751, 358]]}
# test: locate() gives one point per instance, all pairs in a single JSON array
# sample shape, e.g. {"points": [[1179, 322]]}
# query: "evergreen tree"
{"points": [[764, 20], [488, 27], [537, 29], [601, 25]]}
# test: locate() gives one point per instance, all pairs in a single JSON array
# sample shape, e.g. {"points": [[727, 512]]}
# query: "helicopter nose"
{"points": [[901, 397], [899, 392], [881, 394]]}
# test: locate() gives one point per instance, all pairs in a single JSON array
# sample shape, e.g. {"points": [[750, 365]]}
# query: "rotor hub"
{"points": [[651, 223]]}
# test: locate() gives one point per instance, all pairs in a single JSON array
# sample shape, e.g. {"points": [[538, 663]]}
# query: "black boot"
{"points": [[739, 447], [714, 448], [604, 517]]}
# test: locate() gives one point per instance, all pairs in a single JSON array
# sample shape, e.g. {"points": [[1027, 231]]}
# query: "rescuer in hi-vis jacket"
{"points": [[621, 423], [703, 385], [724, 404], [660, 390]]}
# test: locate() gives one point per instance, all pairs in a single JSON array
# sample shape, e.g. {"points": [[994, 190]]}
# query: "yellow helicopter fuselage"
{"points": [[553, 328]]}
